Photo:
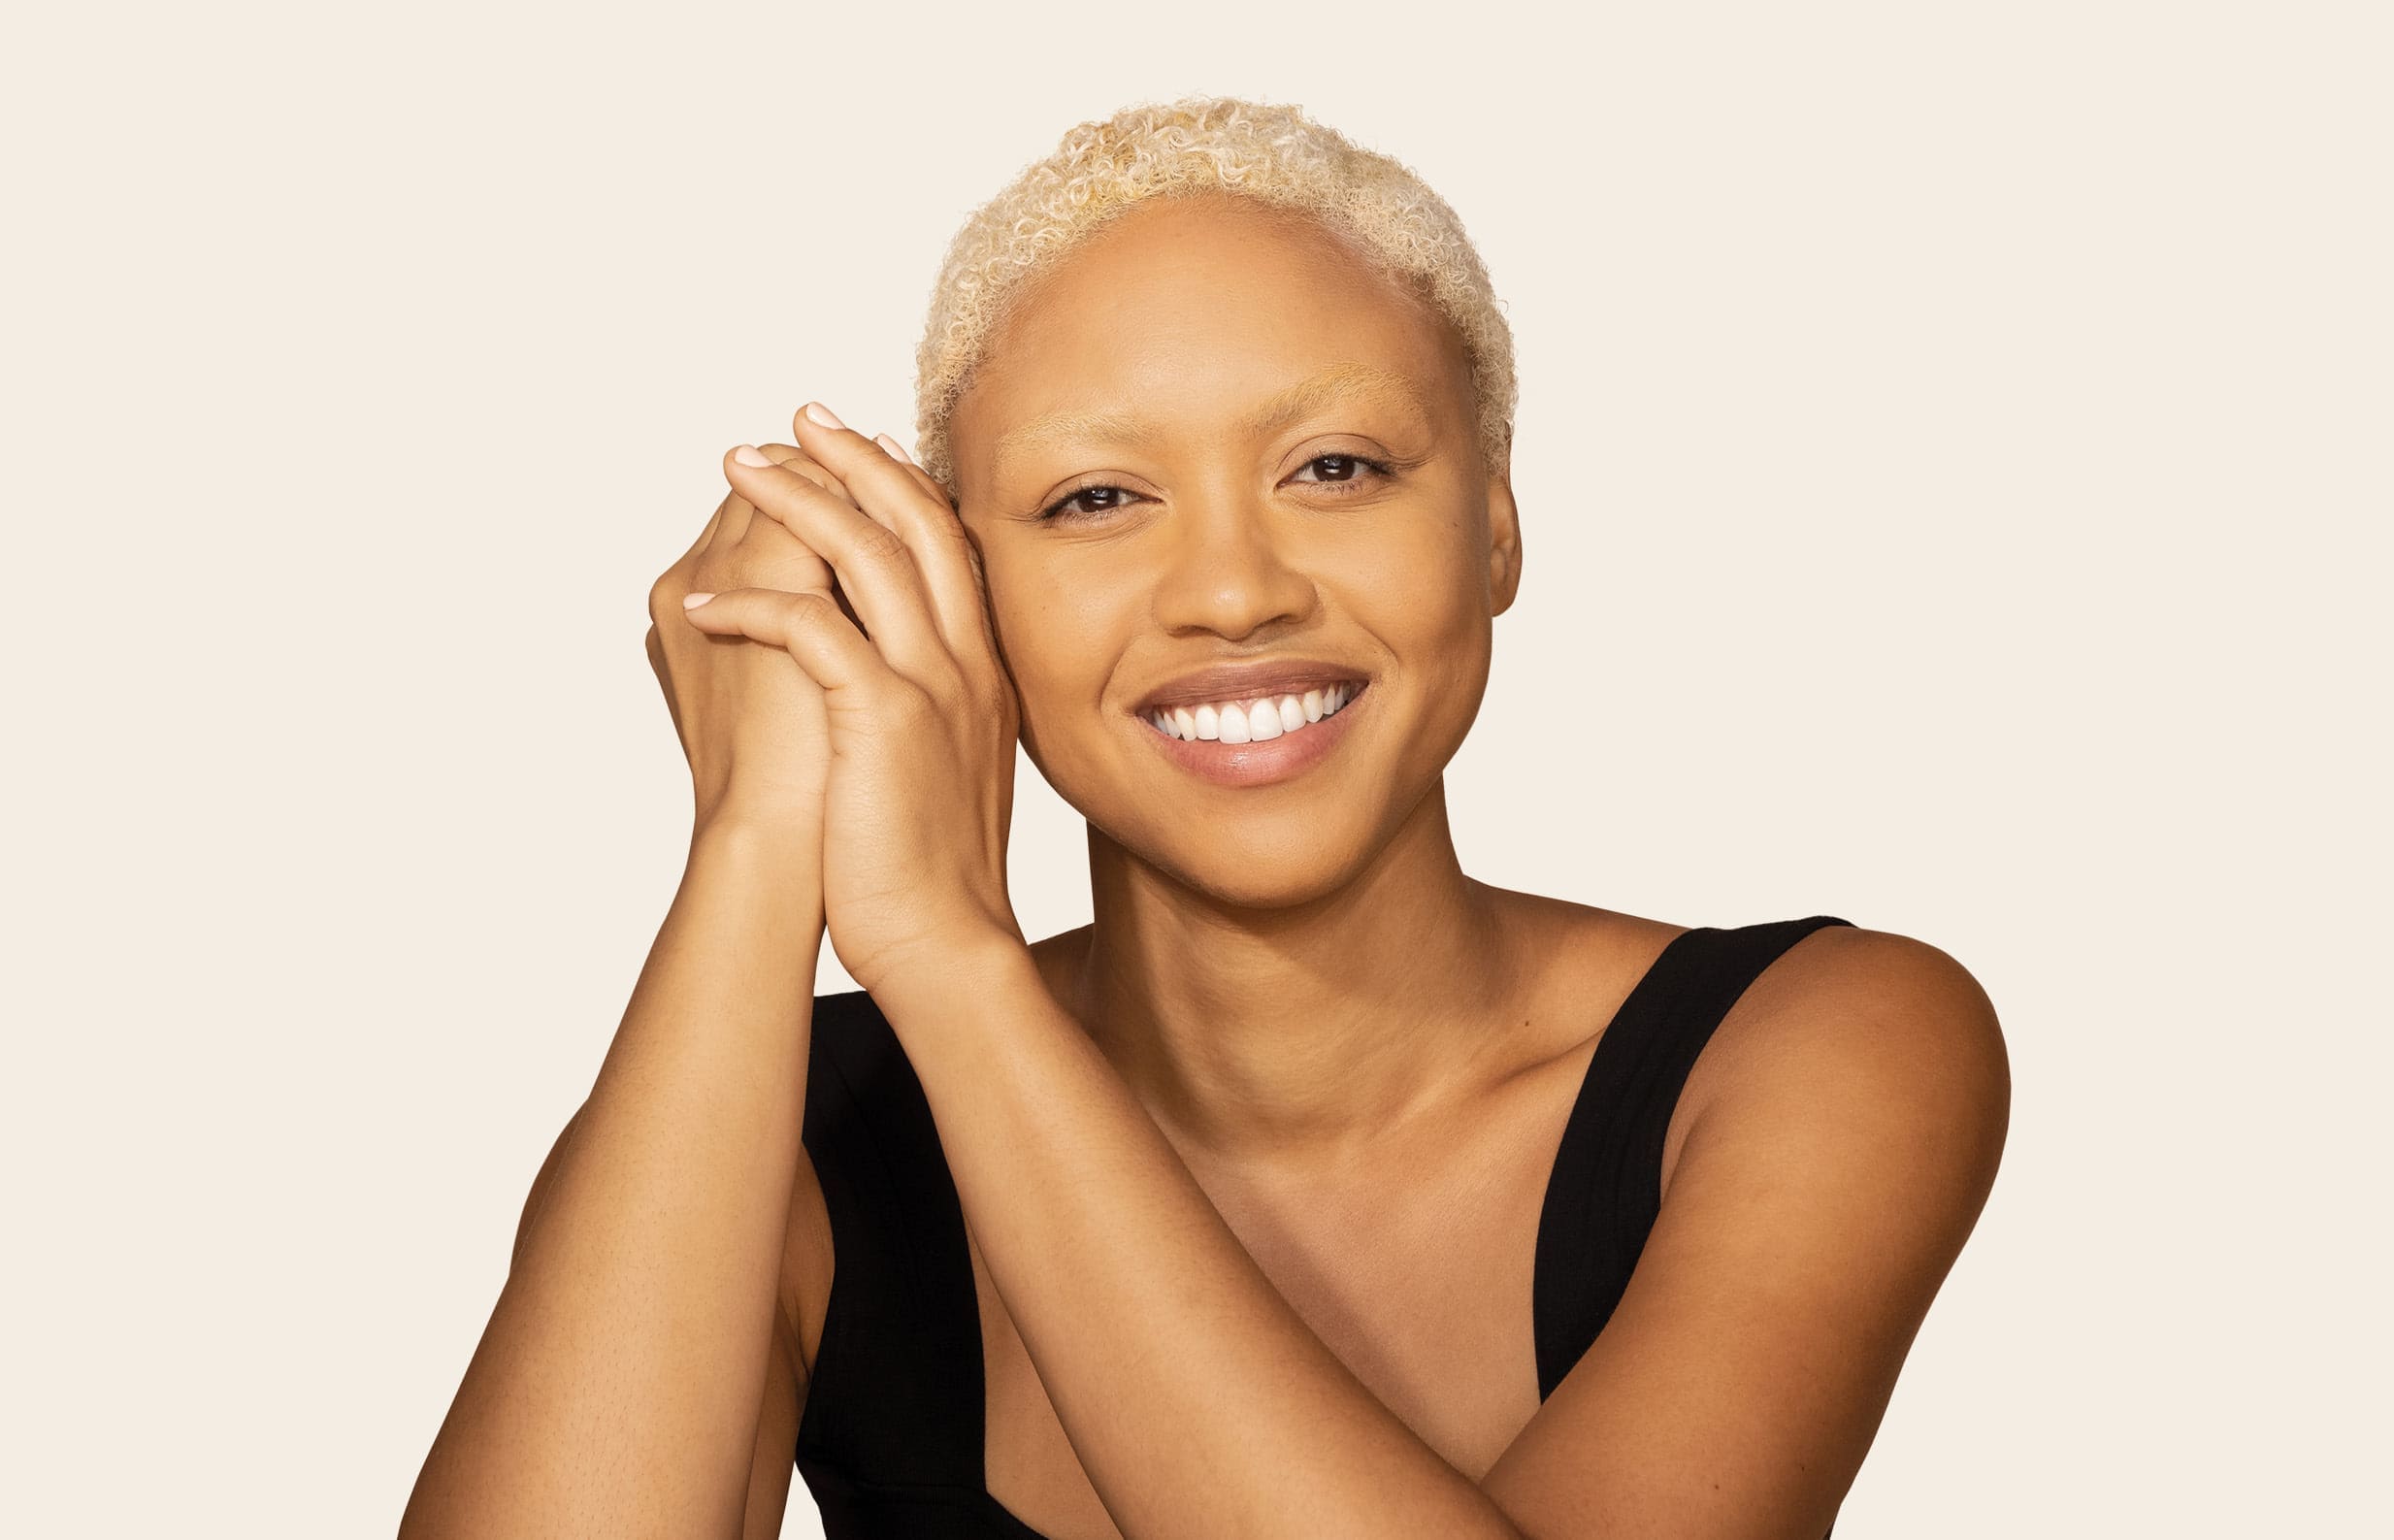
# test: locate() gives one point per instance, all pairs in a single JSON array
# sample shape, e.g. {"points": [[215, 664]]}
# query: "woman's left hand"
{"points": [[921, 714]]}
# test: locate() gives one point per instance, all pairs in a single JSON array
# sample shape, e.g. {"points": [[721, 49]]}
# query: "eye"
{"points": [[1350, 472], [1349, 469], [1064, 507]]}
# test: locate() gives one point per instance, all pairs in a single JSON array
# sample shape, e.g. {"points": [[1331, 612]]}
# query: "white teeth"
{"points": [[1254, 721]]}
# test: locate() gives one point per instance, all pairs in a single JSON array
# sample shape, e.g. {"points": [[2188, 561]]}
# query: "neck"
{"points": [[1300, 1033]]}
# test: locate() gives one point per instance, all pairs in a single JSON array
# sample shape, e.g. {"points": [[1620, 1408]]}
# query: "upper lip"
{"points": [[1245, 681]]}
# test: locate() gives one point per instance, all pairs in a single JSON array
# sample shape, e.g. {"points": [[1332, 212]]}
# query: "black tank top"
{"points": [[890, 1440]]}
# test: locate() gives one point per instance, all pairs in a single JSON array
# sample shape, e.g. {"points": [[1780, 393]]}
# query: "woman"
{"points": [[1314, 1188]]}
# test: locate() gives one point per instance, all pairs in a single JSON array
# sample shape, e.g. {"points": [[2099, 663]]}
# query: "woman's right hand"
{"points": [[751, 721]]}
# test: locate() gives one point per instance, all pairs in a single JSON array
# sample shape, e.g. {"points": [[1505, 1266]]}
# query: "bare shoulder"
{"points": [[1829, 1157], [1884, 1036]]}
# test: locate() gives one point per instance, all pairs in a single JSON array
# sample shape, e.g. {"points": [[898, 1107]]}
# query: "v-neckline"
{"points": [[1548, 1193]]}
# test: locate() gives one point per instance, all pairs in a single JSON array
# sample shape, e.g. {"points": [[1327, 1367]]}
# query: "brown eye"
{"points": [[1069, 504], [1347, 469], [1346, 472]]}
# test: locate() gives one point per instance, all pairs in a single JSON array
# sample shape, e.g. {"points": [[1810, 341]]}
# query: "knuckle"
{"points": [[664, 594], [723, 573], [765, 556], [880, 544], [809, 610], [773, 552], [911, 705], [799, 463]]}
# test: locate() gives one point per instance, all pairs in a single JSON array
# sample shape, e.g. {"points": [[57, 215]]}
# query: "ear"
{"points": [[1504, 543]]}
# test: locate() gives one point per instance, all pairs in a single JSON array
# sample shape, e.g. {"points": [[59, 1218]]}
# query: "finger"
{"points": [[806, 624], [874, 568], [922, 477], [939, 494], [808, 466], [727, 528], [714, 527], [907, 500], [791, 458], [768, 554], [736, 516], [765, 555]]}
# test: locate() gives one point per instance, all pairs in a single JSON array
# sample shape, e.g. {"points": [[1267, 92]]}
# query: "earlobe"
{"points": [[1505, 545]]}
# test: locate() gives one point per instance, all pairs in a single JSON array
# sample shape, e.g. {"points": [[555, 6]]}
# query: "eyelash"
{"points": [[1054, 512]]}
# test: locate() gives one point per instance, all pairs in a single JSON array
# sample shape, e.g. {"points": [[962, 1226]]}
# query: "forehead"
{"points": [[1204, 314]]}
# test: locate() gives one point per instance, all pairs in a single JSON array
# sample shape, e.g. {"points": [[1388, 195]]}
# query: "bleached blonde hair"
{"points": [[1200, 143]]}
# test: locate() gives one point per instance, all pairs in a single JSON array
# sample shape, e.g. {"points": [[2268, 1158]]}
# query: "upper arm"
{"points": [[1818, 1199]]}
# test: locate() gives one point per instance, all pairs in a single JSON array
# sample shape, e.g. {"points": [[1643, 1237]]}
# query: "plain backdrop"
{"points": [[1954, 453]]}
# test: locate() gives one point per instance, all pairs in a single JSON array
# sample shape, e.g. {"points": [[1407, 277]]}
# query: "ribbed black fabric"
{"points": [[890, 1440]]}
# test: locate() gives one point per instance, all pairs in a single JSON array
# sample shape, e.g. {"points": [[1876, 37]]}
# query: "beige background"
{"points": [[1955, 456]]}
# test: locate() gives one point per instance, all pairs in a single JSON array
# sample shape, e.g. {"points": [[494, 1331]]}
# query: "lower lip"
{"points": [[1278, 759]]}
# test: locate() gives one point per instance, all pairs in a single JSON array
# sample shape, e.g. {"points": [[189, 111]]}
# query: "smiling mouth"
{"points": [[1256, 719]]}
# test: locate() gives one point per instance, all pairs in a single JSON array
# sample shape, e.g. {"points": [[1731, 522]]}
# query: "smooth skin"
{"points": [[1252, 1164]]}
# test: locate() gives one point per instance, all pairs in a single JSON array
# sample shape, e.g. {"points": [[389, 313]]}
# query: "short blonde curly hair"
{"points": [[1197, 143]]}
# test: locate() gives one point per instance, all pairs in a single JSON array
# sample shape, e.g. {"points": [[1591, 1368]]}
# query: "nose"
{"points": [[1229, 571]]}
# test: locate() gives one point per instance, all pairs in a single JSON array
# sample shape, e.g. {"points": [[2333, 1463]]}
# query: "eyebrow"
{"points": [[1290, 405]]}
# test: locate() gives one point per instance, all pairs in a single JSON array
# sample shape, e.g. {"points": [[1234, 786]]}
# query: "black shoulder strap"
{"points": [[1606, 1188], [897, 1393]]}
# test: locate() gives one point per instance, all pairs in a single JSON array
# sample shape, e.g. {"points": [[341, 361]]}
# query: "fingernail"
{"points": [[891, 444], [823, 414], [692, 600], [750, 455]]}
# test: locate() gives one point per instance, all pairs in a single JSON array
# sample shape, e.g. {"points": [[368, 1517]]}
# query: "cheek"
{"points": [[1424, 596], [1056, 639]]}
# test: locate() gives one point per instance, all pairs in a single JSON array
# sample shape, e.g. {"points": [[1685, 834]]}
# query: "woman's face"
{"points": [[1204, 394]]}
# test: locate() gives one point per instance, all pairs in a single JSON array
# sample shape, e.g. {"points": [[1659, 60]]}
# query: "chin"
{"points": [[1268, 864], [1271, 847], [1234, 886]]}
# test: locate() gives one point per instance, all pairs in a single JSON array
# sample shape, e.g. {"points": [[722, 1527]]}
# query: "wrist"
{"points": [[956, 979], [780, 841], [777, 866]]}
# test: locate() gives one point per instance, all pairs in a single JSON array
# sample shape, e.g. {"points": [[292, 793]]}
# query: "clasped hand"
{"points": [[918, 718]]}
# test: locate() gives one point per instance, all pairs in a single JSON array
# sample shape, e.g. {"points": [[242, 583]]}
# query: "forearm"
{"points": [[615, 1388], [1199, 1402]]}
